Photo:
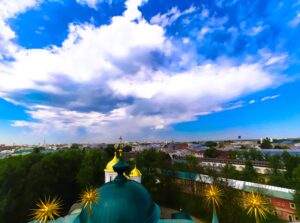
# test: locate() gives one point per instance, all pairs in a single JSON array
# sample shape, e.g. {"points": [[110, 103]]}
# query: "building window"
{"points": [[292, 205]]}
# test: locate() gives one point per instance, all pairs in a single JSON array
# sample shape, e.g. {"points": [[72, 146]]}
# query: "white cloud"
{"points": [[185, 40], [9, 9], [162, 100], [171, 16], [132, 11], [296, 21], [241, 79], [66, 120], [88, 53], [204, 13], [252, 102], [270, 97], [90, 3], [253, 31], [276, 59], [201, 90], [105, 79], [203, 32]]}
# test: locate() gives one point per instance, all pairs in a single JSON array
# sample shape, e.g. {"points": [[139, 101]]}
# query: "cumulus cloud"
{"points": [[87, 54], [119, 78], [9, 9]]}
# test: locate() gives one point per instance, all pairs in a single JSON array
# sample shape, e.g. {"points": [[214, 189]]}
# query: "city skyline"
{"points": [[92, 70]]}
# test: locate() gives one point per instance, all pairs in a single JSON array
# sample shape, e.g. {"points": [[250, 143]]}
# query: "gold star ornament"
{"points": [[256, 205], [46, 210], [213, 196], [88, 198]]}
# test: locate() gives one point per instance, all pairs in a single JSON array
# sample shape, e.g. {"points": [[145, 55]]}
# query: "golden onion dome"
{"points": [[135, 172], [110, 164]]}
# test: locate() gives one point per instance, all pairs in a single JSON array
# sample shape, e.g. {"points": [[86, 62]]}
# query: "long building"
{"points": [[281, 198]]}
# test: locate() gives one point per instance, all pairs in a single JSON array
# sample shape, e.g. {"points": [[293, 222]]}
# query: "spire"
{"points": [[120, 147], [215, 218], [121, 150], [120, 167]]}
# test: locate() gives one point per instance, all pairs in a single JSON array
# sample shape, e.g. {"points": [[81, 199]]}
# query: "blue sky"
{"points": [[92, 70]]}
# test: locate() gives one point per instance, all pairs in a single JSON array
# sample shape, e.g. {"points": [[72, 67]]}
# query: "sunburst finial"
{"points": [[213, 196], [47, 210], [89, 197], [255, 204]]}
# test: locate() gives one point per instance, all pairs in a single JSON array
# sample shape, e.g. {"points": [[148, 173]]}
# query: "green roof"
{"points": [[215, 218], [271, 193], [181, 215], [123, 201], [71, 218], [175, 221]]}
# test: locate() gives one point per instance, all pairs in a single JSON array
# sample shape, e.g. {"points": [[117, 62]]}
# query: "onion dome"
{"points": [[122, 200], [135, 172], [110, 164]]}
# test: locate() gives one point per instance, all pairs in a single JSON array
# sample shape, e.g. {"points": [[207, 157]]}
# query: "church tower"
{"points": [[110, 174]]}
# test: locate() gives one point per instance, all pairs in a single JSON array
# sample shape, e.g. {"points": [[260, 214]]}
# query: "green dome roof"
{"points": [[123, 201], [181, 215], [126, 202]]}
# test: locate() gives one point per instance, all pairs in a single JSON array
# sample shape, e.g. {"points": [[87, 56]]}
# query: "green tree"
{"points": [[278, 179], [74, 146], [233, 154], [275, 164], [91, 173], [109, 150], [191, 162], [211, 144], [254, 154], [297, 202], [222, 145], [211, 153], [127, 148], [296, 177], [276, 176], [249, 173], [232, 211], [243, 147], [230, 172], [25, 179], [290, 163], [266, 144], [37, 149]]}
